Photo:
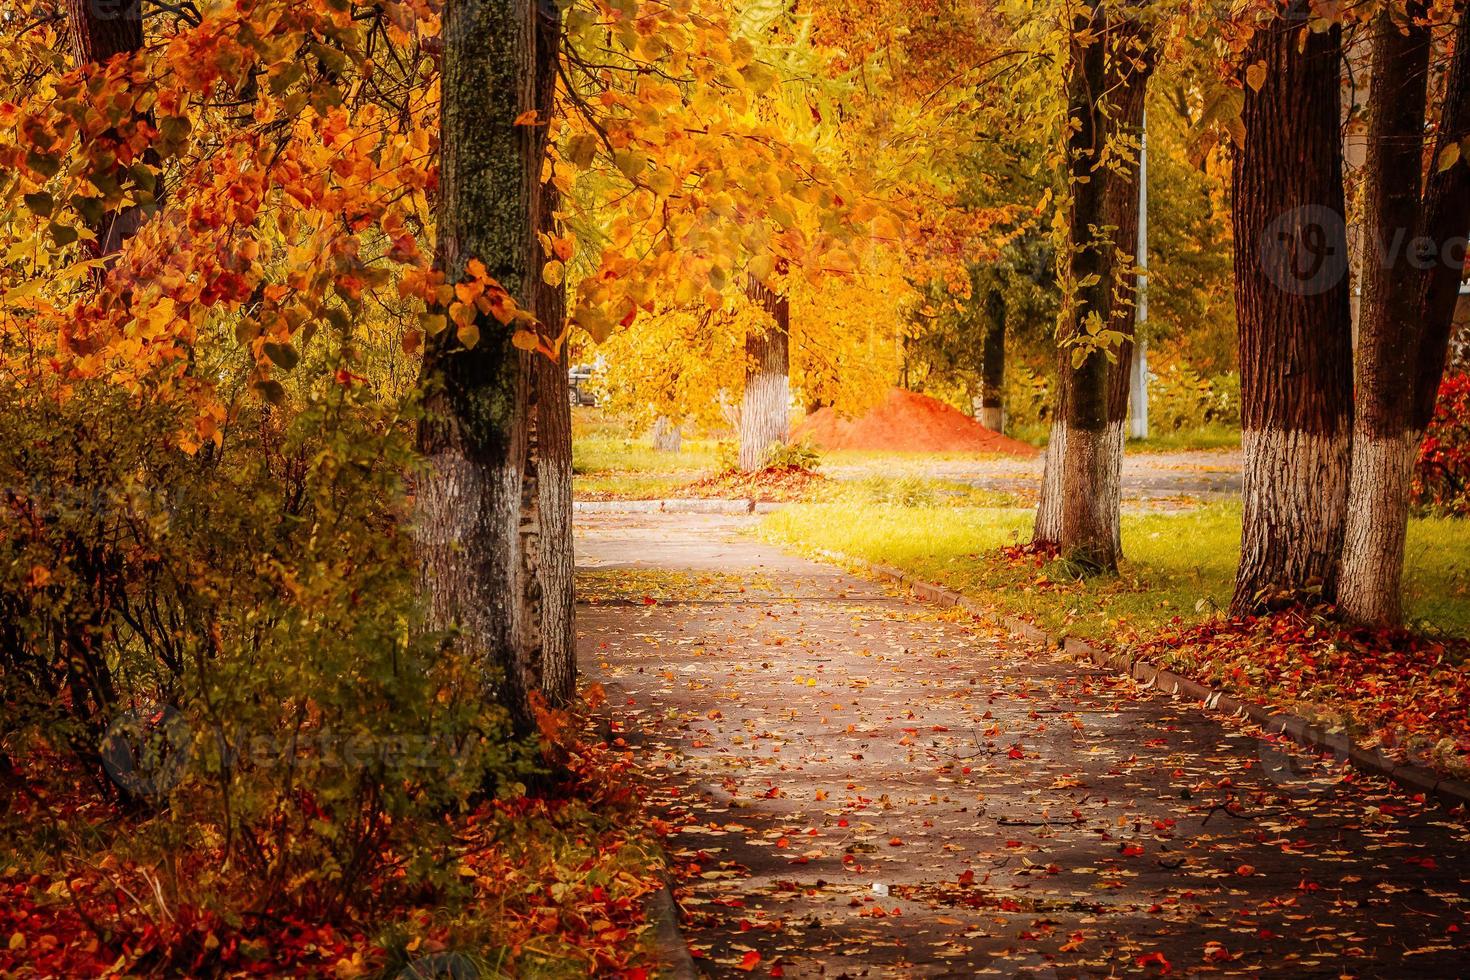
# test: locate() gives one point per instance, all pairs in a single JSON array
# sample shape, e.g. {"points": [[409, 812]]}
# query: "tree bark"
{"points": [[99, 32], [1291, 295], [478, 400], [666, 435], [553, 455], [558, 561], [1446, 205], [993, 363], [765, 406], [1410, 289], [1108, 70], [1385, 443]]}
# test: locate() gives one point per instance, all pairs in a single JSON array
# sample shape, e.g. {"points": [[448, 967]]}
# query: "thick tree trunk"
{"points": [[765, 406], [100, 32], [1384, 440], [993, 364], [666, 435], [1410, 288], [1445, 222], [1291, 296], [477, 400], [1108, 73]]}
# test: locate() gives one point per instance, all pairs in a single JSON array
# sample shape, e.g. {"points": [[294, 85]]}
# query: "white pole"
{"points": [[1138, 364]]}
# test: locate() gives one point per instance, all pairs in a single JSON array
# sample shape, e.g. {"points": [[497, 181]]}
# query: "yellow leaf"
{"points": [[1255, 76], [469, 335], [1449, 156], [18, 941], [525, 340], [553, 273]]}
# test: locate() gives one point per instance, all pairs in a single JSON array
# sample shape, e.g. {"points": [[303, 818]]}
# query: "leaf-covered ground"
{"points": [[858, 785], [554, 885]]}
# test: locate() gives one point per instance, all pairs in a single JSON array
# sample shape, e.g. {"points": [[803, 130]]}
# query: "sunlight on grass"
{"points": [[1178, 564], [610, 454]]}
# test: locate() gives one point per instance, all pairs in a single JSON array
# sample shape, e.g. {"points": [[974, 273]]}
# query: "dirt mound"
{"points": [[906, 421]]}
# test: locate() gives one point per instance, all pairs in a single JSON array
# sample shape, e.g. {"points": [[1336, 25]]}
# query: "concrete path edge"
{"points": [[1447, 791]]}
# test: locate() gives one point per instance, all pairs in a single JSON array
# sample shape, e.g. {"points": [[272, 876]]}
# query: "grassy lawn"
{"points": [[1179, 440], [1179, 564]]}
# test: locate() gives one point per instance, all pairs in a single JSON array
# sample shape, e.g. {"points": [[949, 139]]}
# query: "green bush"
{"points": [[1180, 398], [232, 639]]}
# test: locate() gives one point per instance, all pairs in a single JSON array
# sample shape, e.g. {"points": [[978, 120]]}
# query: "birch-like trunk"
{"points": [[765, 406], [1291, 295]]}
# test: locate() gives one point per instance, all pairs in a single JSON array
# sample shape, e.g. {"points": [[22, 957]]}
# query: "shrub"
{"points": [[780, 456], [1442, 476], [232, 639], [1180, 399], [792, 456]]}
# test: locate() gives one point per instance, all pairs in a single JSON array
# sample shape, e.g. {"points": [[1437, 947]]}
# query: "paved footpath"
{"points": [[863, 786]]}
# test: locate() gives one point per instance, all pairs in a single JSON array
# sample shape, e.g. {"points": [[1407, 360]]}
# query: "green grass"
{"points": [[1178, 564], [1206, 437], [602, 454], [1178, 440]]}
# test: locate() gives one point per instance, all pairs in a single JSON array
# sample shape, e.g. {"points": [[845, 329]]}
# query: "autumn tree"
{"points": [[1413, 260], [1291, 296], [766, 398], [480, 564], [1109, 62]]}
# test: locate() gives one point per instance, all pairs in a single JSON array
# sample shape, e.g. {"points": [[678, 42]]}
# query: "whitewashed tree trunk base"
{"points": [[1369, 584], [1048, 530], [1294, 502], [1091, 494]]}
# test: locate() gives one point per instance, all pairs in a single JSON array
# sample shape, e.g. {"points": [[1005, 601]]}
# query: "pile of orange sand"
{"points": [[906, 421]]}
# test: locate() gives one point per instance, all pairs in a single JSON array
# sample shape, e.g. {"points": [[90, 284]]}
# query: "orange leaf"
{"points": [[749, 962]]}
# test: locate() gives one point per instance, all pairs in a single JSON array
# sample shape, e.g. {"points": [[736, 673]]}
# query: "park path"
{"points": [[859, 785]]}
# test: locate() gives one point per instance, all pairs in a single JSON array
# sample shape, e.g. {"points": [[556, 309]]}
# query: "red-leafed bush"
{"points": [[1442, 476]]}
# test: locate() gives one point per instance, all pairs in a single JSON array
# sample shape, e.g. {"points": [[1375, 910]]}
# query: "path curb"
{"points": [[676, 505], [674, 961], [1447, 791]]}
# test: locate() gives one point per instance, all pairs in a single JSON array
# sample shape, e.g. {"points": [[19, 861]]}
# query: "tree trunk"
{"points": [[993, 363], [1108, 71], [666, 435], [558, 561], [765, 406], [1444, 223], [1410, 288], [477, 426], [1048, 530], [100, 32], [557, 565], [1384, 441], [1291, 296]]}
